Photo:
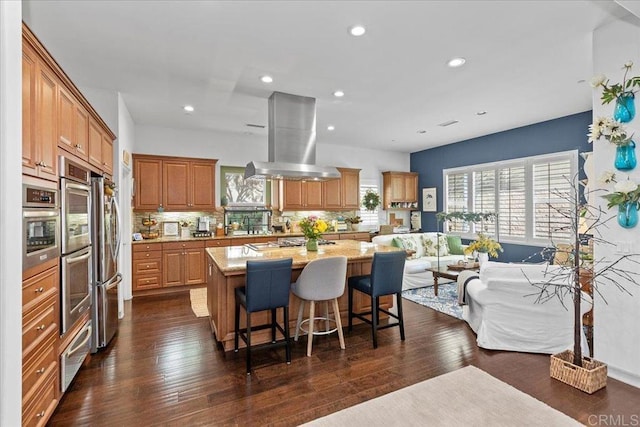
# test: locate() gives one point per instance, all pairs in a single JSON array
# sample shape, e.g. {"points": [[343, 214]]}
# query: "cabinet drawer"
{"points": [[35, 331], [364, 237], [143, 247], [37, 409], [183, 245], [39, 288], [148, 266], [146, 255], [37, 365], [150, 281], [218, 243]]}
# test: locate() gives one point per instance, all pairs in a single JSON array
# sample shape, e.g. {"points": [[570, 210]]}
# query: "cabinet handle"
{"points": [[147, 266], [78, 146], [40, 371], [147, 255], [39, 290], [40, 414], [40, 328]]}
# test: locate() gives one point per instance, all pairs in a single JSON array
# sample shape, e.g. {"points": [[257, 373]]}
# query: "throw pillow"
{"points": [[413, 243], [433, 244], [455, 245]]}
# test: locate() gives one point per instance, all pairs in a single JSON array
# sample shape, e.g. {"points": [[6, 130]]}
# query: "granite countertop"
{"points": [[233, 259], [275, 236]]}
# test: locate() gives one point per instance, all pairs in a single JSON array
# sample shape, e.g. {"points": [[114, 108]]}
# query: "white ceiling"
{"points": [[524, 62]]}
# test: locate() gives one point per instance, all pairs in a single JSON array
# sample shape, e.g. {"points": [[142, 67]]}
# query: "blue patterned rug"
{"points": [[446, 302]]}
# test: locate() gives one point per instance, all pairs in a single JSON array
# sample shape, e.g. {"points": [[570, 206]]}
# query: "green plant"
{"points": [[609, 93], [484, 244], [353, 220], [371, 200], [466, 216]]}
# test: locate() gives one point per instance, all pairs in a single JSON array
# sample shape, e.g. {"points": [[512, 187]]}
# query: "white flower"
{"points": [[628, 64], [598, 79], [625, 186], [607, 177]]}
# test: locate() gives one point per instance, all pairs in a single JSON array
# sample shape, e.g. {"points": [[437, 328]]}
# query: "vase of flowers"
{"points": [[312, 227], [623, 93], [614, 132], [484, 246], [626, 197]]}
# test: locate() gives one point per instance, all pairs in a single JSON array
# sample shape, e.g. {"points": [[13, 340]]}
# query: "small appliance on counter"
{"points": [[203, 224]]}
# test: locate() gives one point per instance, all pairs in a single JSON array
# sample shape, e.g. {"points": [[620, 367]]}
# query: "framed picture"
{"points": [[170, 228], [429, 201]]}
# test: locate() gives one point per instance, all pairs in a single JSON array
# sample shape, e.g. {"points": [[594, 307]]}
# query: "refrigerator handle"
{"points": [[116, 214]]}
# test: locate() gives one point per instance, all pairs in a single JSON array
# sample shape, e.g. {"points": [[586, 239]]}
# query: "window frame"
{"points": [[528, 163]]}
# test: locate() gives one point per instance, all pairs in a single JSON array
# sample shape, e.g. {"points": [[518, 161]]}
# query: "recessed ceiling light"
{"points": [[188, 108], [456, 62], [422, 131], [338, 94], [266, 79], [357, 30], [481, 113], [331, 127]]}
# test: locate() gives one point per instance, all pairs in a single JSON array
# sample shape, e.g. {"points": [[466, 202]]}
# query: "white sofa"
{"points": [[503, 312], [424, 245]]}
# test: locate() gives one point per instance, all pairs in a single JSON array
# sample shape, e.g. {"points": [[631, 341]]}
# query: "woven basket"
{"points": [[591, 377]]}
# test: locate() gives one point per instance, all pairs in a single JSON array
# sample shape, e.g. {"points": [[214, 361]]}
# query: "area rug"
{"points": [[466, 397], [446, 301], [199, 302]]}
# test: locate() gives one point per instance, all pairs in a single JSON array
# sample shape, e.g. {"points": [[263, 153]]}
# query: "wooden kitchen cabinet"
{"points": [[332, 194], [147, 172], [183, 263], [350, 183], [302, 195], [147, 266], [39, 117], [400, 190], [100, 148], [73, 125]]}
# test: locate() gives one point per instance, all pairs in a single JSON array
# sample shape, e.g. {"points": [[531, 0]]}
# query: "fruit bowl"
{"points": [[150, 235], [149, 222]]}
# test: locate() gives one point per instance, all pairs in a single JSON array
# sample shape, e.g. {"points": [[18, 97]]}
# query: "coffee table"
{"points": [[445, 273]]}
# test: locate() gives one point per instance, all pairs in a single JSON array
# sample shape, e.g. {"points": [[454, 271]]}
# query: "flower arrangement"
{"points": [[612, 130], [625, 192], [353, 220], [484, 244], [312, 227], [609, 93]]}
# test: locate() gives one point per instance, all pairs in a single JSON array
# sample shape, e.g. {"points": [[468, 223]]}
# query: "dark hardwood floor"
{"points": [[164, 368]]}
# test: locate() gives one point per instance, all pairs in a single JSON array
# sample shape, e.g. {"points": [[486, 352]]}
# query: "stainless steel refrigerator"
{"points": [[106, 238]]}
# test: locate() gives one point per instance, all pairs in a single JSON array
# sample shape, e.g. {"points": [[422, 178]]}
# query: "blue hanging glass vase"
{"points": [[628, 214], [626, 156], [625, 109]]}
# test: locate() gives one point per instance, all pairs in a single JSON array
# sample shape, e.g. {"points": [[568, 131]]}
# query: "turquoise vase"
{"points": [[628, 215], [625, 109], [312, 244], [626, 156]]}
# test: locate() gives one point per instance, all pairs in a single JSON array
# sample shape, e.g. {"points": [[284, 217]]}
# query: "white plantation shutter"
{"points": [[532, 196], [512, 202], [457, 191], [552, 199], [369, 219]]}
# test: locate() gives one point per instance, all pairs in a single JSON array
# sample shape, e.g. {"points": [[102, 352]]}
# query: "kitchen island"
{"points": [[226, 268]]}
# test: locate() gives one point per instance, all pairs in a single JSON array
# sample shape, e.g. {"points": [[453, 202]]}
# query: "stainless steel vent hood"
{"points": [[292, 141]]}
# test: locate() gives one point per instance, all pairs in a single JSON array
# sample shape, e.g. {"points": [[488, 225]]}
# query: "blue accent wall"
{"points": [[563, 134]]}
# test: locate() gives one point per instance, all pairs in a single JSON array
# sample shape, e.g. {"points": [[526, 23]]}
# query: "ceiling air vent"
{"points": [[449, 123]]}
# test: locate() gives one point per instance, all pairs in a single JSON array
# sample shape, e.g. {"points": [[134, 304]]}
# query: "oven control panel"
{"points": [[39, 197]]}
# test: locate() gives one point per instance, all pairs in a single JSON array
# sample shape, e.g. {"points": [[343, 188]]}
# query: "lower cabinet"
{"points": [[147, 266], [183, 263]]}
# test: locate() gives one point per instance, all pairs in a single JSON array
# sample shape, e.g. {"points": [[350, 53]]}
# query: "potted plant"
{"points": [[353, 221], [371, 200], [484, 246], [623, 93], [627, 198]]}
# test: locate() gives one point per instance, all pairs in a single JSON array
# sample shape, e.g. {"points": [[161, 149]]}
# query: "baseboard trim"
{"points": [[624, 376]]}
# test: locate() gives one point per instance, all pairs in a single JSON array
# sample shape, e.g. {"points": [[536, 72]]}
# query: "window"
{"points": [[369, 219], [532, 197]]}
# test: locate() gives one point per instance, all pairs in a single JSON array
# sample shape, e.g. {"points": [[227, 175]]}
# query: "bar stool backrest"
{"points": [[386, 273], [268, 284]]}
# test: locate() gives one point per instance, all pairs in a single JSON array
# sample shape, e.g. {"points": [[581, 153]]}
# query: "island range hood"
{"points": [[292, 141]]}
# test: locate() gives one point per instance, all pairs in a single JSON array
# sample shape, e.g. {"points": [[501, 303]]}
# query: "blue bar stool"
{"points": [[267, 288], [385, 279]]}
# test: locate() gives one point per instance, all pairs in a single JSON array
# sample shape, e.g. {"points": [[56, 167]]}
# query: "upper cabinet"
{"points": [[173, 183], [400, 190], [302, 195], [350, 186], [100, 148], [333, 194]]}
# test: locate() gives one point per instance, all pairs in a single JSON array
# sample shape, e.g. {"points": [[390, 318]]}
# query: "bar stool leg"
{"points": [[350, 308], [286, 334], [299, 322], [374, 321], [312, 309], [400, 316], [336, 313], [327, 325], [274, 319], [248, 343], [237, 324]]}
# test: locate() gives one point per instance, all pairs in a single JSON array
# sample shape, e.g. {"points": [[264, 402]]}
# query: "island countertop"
{"points": [[233, 259]]}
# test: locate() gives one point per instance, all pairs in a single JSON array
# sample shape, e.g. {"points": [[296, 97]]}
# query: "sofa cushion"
{"points": [[432, 242], [455, 245], [411, 242], [416, 266]]}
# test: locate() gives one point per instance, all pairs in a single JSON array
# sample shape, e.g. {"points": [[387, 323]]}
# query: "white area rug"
{"points": [[199, 302], [466, 397]]}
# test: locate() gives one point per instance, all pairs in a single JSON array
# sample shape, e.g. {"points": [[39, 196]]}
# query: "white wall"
{"points": [[105, 103], [10, 213], [616, 326], [126, 139]]}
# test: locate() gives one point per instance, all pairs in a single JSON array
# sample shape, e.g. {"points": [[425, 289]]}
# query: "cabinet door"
{"points": [[95, 144], [397, 188], [313, 194], [293, 197], [81, 123], [175, 184], [46, 119], [332, 196], [202, 185], [148, 184], [350, 189], [107, 154], [29, 74], [173, 267], [66, 113], [411, 188], [194, 271]]}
